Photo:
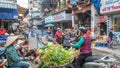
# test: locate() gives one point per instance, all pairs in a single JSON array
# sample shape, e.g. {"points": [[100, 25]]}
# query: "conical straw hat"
{"points": [[10, 40], [20, 41]]}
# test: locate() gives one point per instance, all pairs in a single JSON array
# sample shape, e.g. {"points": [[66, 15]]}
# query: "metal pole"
{"points": [[73, 18]]}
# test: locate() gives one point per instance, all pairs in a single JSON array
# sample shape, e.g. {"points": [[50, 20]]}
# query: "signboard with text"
{"points": [[109, 6], [49, 19], [59, 17]]}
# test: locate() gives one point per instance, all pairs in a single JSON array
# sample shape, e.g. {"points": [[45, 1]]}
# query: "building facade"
{"points": [[78, 15], [8, 9], [111, 9], [34, 11]]}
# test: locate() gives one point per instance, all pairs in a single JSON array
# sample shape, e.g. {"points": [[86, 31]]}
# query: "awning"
{"points": [[49, 25], [96, 4], [8, 13]]}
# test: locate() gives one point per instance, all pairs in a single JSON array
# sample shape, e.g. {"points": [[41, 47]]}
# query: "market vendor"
{"points": [[12, 55], [84, 44], [2, 30]]}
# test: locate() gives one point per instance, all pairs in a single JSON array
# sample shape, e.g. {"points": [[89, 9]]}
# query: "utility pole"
{"points": [[73, 18]]}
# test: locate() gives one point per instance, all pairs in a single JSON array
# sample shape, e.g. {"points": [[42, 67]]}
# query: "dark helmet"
{"points": [[83, 29]]}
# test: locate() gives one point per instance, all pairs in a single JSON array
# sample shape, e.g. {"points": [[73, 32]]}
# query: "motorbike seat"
{"points": [[93, 58]]}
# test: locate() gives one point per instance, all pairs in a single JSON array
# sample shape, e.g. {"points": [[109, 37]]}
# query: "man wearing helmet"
{"points": [[84, 44]]}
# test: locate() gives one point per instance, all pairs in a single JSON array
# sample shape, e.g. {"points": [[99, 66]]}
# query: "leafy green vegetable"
{"points": [[50, 55]]}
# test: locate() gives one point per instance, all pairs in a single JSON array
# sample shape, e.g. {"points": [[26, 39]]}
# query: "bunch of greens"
{"points": [[51, 55]]}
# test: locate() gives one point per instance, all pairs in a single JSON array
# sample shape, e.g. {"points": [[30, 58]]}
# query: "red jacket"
{"points": [[58, 35], [2, 31]]}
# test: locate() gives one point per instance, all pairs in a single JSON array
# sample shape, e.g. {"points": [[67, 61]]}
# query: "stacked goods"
{"points": [[52, 55]]}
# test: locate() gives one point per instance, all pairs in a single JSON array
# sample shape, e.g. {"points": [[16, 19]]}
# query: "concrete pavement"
{"points": [[115, 52]]}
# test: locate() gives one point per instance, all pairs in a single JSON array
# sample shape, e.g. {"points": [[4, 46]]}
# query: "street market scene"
{"points": [[59, 33]]}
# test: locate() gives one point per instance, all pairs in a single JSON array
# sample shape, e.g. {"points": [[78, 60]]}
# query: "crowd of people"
{"points": [[79, 39], [16, 49], [66, 36]]}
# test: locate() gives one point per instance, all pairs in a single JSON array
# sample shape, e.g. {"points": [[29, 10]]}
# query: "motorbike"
{"points": [[99, 61], [2, 59]]}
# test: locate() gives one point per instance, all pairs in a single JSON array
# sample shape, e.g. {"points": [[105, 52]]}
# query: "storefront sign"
{"points": [[62, 16], [108, 6], [49, 19], [59, 17]]}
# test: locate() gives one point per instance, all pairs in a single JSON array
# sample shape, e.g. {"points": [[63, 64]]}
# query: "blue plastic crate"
{"points": [[104, 44], [98, 44]]}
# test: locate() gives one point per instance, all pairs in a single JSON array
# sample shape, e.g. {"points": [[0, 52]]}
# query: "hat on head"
{"points": [[12, 34], [58, 28], [20, 41], [10, 40]]}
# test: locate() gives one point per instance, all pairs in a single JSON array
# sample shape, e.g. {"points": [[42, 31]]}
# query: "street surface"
{"points": [[107, 52], [115, 53]]}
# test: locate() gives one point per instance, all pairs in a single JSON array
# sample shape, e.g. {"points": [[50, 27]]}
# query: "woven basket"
{"points": [[67, 65]]}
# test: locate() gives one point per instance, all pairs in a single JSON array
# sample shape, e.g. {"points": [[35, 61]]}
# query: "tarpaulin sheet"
{"points": [[97, 4], [8, 13]]}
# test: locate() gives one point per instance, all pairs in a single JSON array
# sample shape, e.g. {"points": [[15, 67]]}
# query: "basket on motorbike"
{"points": [[66, 65]]}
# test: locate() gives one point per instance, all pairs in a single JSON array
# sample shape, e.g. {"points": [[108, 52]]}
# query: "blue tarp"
{"points": [[8, 13], [97, 4], [3, 39]]}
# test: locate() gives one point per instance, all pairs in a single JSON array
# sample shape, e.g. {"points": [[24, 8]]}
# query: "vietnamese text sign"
{"points": [[108, 6], [59, 17], [49, 19]]}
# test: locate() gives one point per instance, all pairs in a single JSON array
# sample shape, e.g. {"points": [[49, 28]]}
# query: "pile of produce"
{"points": [[52, 55]]}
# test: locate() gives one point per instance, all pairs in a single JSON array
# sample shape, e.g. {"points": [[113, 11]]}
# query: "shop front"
{"points": [[111, 9], [62, 20], [8, 14]]}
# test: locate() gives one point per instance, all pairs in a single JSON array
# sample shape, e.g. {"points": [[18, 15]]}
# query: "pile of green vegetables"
{"points": [[51, 55]]}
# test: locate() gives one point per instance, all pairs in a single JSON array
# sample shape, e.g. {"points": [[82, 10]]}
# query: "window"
{"points": [[116, 23]]}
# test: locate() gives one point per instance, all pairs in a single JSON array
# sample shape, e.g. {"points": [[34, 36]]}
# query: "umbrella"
{"points": [[49, 25]]}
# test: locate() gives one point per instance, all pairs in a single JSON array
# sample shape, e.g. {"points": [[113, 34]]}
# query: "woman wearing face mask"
{"points": [[84, 44], [66, 39], [12, 55]]}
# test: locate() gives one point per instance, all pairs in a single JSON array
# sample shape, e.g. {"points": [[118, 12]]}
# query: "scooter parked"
{"points": [[99, 61]]}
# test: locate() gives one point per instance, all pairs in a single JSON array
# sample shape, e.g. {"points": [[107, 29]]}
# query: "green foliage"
{"points": [[51, 55]]}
